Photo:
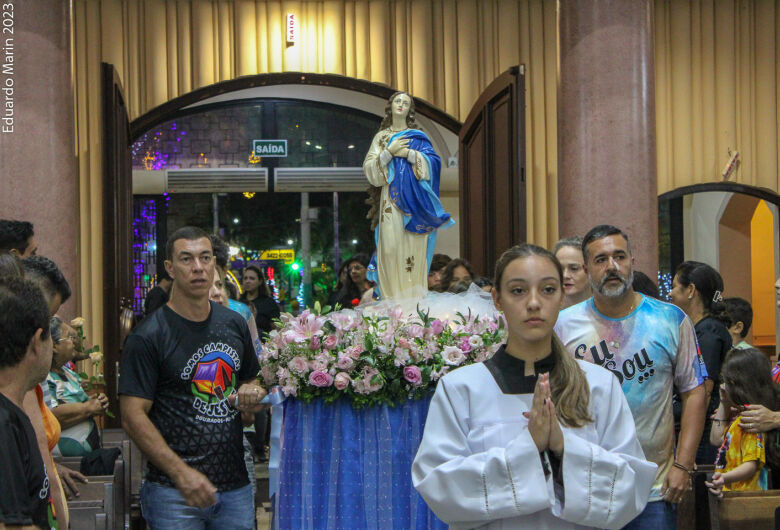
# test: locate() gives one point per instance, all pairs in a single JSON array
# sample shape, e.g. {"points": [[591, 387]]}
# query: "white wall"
{"points": [[701, 216]]}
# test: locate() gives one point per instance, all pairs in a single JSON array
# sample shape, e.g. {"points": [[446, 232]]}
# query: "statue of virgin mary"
{"points": [[402, 162]]}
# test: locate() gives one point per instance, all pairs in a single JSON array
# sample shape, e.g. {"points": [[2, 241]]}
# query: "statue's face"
{"points": [[401, 105]]}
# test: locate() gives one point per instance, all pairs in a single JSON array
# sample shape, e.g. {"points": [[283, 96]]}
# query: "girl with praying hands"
{"points": [[531, 438]]}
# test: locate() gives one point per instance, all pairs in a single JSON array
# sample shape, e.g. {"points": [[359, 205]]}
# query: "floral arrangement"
{"points": [[93, 354], [373, 359]]}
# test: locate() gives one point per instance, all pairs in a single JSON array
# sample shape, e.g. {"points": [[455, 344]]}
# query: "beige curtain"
{"points": [[717, 90], [716, 76], [443, 51]]}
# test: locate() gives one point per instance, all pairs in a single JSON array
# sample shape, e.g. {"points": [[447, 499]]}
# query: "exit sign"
{"points": [[271, 148]]}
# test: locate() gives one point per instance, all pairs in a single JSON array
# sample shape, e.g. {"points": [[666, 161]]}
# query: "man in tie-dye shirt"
{"points": [[650, 346]]}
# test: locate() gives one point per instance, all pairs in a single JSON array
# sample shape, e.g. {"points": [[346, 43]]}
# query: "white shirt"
{"points": [[477, 465]]}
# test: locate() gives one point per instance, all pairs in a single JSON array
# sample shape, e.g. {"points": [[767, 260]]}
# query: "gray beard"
{"points": [[614, 292]]}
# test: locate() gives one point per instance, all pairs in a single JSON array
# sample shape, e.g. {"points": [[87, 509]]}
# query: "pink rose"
{"points": [[342, 381], [318, 365], [320, 378], [413, 375], [354, 351], [345, 363], [437, 326], [331, 341], [299, 364], [465, 346]]}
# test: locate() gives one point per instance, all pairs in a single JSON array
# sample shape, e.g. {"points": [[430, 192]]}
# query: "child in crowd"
{"points": [[743, 456], [741, 315]]}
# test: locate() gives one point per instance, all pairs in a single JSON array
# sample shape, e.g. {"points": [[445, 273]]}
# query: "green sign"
{"points": [[272, 148]]}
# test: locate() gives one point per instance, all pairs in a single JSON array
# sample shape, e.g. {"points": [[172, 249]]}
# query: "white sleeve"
{"points": [[412, 156], [466, 489], [385, 157], [605, 485]]}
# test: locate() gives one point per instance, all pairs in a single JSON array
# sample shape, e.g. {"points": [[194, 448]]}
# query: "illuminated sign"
{"points": [[292, 28], [285, 254], [269, 148]]}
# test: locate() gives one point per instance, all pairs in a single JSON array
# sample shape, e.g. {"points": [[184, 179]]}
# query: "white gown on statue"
{"points": [[400, 254], [477, 465]]}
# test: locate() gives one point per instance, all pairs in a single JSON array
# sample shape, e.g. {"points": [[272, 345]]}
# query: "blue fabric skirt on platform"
{"points": [[351, 469]]}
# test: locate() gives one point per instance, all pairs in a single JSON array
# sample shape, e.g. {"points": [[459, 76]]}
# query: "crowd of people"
{"points": [[622, 394]]}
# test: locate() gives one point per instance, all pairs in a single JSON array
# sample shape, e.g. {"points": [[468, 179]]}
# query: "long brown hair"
{"points": [[387, 121], [568, 385], [747, 374]]}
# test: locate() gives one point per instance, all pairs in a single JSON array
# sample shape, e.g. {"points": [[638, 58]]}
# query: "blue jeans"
{"points": [[658, 515], [164, 508]]}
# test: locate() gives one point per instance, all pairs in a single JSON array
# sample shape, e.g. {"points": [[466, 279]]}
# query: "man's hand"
{"points": [[196, 489], [676, 483], [758, 418], [69, 477], [248, 398], [716, 486]]}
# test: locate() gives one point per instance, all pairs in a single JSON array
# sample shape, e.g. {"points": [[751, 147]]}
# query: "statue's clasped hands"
{"points": [[543, 423], [399, 147]]}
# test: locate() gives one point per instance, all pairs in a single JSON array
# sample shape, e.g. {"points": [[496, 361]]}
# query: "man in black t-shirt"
{"points": [[25, 359], [187, 372]]}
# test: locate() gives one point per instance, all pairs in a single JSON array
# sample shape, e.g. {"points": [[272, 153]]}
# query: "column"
{"points": [[606, 122], [38, 174]]}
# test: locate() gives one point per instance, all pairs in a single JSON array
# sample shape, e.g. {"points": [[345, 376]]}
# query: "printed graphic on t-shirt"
{"points": [[638, 365], [213, 375]]}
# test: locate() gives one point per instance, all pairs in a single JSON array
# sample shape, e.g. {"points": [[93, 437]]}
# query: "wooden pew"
{"points": [[753, 510], [690, 514], [101, 502], [94, 508]]}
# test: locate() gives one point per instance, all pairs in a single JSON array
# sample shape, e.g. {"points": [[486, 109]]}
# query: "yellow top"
{"points": [[739, 447]]}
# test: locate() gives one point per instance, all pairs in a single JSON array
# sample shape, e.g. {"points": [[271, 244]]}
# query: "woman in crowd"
{"points": [[69, 403], [438, 262], [576, 287], [257, 294], [333, 297], [643, 284], [457, 271], [357, 284], [743, 455], [697, 289], [531, 438]]}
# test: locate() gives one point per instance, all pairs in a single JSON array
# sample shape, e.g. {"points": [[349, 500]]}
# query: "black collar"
{"points": [[509, 372]]}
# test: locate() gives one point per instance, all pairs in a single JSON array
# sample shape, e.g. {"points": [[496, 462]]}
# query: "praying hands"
{"points": [[542, 421]]}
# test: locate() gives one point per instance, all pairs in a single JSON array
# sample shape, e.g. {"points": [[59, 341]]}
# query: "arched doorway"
{"points": [[193, 162], [493, 174], [734, 228]]}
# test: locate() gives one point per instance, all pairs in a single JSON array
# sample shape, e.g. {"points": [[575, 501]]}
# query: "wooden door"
{"points": [[492, 172], [117, 228]]}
